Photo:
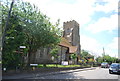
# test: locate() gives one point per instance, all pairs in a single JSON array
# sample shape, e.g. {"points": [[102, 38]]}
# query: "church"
{"points": [[69, 44]]}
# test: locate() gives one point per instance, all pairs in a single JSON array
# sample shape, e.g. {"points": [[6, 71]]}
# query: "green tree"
{"points": [[38, 29], [73, 56], [99, 59], [14, 37], [91, 61], [54, 54], [86, 55], [117, 60], [28, 27], [106, 58]]}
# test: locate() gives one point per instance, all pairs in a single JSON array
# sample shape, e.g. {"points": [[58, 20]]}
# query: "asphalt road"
{"points": [[98, 73]]}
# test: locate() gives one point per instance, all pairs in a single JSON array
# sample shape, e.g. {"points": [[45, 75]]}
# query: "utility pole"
{"points": [[103, 54], [103, 51]]}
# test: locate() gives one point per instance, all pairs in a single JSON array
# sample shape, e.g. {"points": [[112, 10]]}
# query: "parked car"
{"points": [[104, 65], [114, 68]]}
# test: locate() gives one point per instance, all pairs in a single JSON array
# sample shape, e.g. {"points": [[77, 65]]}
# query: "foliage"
{"points": [[88, 58], [28, 27], [85, 54], [80, 61], [106, 58], [13, 39], [117, 60], [53, 65], [54, 52], [99, 59], [84, 61], [73, 56]]}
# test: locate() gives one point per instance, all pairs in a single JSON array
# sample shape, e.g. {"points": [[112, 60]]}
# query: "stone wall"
{"points": [[62, 54], [42, 56], [71, 33]]}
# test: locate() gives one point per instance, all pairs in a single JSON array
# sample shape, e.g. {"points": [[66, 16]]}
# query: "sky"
{"points": [[98, 20]]}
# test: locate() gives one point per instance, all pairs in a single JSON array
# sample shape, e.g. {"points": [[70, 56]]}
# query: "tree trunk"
{"points": [[29, 53], [6, 25], [28, 64]]}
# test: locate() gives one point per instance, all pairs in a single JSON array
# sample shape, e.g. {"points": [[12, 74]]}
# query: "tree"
{"points": [[91, 61], [54, 54], [117, 60], [28, 27], [99, 59], [106, 58], [14, 37], [86, 55], [38, 29], [6, 25], [73, 56]]}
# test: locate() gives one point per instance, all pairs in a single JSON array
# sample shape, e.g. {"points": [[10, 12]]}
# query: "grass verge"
{"points": [[61, 66]]}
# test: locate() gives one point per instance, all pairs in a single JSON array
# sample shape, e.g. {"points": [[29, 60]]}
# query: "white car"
{"points": [[104, 65]]}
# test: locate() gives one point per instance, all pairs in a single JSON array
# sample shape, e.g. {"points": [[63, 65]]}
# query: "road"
{"points": [[98, 73]]}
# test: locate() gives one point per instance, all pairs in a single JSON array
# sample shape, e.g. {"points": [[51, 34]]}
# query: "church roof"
{"points": [[64, 42], [73, 49]]}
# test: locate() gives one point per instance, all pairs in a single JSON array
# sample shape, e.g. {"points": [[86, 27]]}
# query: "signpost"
{"points": [[22, 46], [22, 59], [33, 66], [64, 62]]}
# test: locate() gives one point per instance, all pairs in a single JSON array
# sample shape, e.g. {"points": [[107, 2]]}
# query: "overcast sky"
{"points": [[98, 21]]}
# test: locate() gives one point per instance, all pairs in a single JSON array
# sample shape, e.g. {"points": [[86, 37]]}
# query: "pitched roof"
{"points": [[73, 49], [64, 42]]}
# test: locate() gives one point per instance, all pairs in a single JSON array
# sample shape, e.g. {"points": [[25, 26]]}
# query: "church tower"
{"points": [[71, 33]]}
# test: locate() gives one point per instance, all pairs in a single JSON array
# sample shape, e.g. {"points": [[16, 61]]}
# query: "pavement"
{"points": [[99, 73], [31, 75]]}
